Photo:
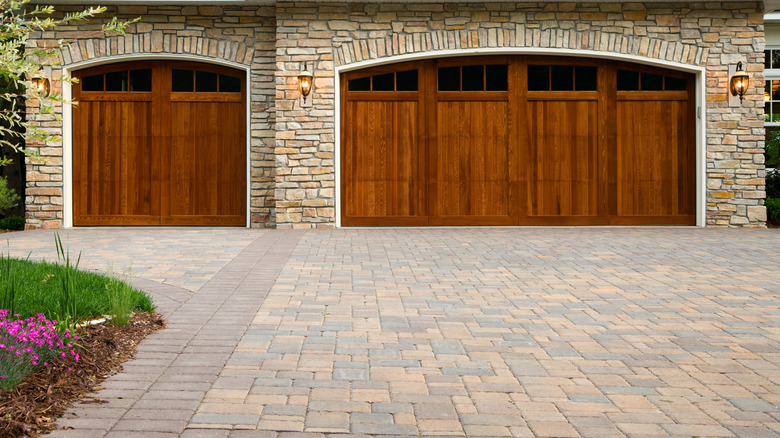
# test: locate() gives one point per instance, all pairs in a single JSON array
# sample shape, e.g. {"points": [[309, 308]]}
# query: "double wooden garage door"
{"points": [[517, 140], [159, 143]]}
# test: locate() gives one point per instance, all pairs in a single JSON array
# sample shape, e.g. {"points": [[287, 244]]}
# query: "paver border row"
{"points": [[159, 390]]}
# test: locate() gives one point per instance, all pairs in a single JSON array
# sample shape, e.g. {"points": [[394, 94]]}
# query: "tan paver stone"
{"points": [[439, 427], [697, 430], [552, 428], [334, 394], [229, 408], [280, 425], [628, 401]]}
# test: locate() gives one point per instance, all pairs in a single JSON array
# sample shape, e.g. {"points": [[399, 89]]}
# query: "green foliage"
{"points": [[773, 210], [15, 223], [29, 345], [39, 284], [772, 149], [67, 302], [773, 184], [120, 303], [8, 197], [9, 284], [20, 62]]}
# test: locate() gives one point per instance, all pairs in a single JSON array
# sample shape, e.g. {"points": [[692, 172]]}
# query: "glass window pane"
{"points": [[406, 80], [141, 80], [675, 84], [473, 78], [586, 78], [775, 90], [496, 79], [359, 84], [538, 78], [229, 84], [562, 78], [775, 58], [92, 83], [449, 78], [205, 82], [767, 59], [116, 81], [652, 82], [627, 80], [383, 82], [182, 81], [767, 111]]}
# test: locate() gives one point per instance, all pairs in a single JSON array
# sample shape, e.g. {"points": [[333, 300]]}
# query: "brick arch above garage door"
{"points": [[159, 142], [517, 140]]}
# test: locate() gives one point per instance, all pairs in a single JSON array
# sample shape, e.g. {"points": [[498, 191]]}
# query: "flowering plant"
{"points": [[30, 344]]}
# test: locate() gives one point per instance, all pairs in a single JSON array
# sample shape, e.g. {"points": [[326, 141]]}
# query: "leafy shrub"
{"points": [[28, 345], [773, 210], [12, 223], [773, 184], [772, 148], [8, 197]]}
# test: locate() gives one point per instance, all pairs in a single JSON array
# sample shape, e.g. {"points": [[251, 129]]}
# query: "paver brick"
{"points": [[478, 332]]}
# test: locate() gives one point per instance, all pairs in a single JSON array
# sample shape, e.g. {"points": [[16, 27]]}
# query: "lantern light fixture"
{"points": [[740, 82], [305, 80], [40, 82]]}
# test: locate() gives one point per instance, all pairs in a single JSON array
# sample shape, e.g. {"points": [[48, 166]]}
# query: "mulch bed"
{"points": [[34, 405]]}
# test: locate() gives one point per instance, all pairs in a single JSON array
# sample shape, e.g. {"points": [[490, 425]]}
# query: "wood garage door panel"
{"points": [[147, 156], [557, 141], [563, 160], [471, 162], [654, 159], [113, 150], [382, 177], [205, 185]]}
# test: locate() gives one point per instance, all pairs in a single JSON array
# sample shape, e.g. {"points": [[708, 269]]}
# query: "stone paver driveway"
{"points": [[447, 332]]}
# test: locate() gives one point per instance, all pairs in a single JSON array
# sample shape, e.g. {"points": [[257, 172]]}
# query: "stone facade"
{"points": [[293, 148]]}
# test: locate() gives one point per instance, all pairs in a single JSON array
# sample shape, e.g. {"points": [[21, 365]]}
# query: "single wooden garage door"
{"points": [[159, 143], [517, 140]]}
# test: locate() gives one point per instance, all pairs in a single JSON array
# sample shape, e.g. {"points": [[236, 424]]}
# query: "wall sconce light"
{"points": [[740, 82], [41, 83], [305, 80]]}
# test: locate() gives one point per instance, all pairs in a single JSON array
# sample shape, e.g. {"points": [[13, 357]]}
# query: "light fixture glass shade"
{"points": [[740, 82], [305, 79], [41, 85]]}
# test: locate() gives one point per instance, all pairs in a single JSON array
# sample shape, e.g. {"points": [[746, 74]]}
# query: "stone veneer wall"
{"points": [[295, 157], [714, 35], [239, 34]]}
